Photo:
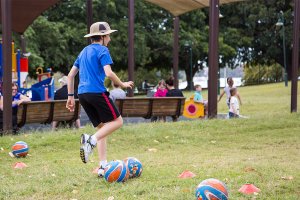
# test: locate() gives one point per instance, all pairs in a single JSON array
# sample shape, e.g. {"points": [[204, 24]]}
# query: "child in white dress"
{"points": [[234, 107]]}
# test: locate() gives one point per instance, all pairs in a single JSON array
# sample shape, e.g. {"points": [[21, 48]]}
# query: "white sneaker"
{"points": [[86, 147], [101, 172]]}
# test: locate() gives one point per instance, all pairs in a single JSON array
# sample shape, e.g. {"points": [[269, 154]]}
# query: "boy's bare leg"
{"points": [[89, 142], [108, 128], [103, 131], [101, 146]]}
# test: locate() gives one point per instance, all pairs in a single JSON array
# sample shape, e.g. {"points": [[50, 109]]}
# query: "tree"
{"points": [[261, 41], [247, 34]]}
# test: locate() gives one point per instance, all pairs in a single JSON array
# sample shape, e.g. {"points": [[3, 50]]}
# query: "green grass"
{"points": [[259, 150]]}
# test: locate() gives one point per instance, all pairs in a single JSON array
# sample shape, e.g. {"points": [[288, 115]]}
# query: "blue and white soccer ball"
{"points": [[134, 166], [212, 189]]}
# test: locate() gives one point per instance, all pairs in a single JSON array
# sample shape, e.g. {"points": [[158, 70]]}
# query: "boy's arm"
{"points": [[71, 76], [112, 76]]}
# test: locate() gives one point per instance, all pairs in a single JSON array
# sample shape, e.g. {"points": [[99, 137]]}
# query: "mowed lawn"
{"points": [[263, 149]]}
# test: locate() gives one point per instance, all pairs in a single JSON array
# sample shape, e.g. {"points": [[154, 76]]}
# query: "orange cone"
{"points": [[19, 165], [187, 174], [249, 189]]}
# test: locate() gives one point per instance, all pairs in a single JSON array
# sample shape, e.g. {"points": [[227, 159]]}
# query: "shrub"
{"points": [[258, 74]]}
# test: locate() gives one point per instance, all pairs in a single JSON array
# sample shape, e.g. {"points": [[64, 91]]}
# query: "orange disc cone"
{"points": [[19, 165], [249, 189], [187, 174]]}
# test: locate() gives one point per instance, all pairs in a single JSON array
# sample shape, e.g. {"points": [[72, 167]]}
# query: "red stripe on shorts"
{"points": [[110, 106]]}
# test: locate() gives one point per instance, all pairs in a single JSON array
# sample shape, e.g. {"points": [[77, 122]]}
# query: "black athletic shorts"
{"points": [[99, 107]]}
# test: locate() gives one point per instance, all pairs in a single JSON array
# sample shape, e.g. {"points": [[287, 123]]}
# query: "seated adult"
{"points": [[145, 85], [116, 92], [17, 99], [62, 94], [173, 92]]}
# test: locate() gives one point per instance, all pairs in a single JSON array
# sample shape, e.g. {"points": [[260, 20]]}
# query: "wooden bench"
{"points": [[150, 106], [46, 111]]}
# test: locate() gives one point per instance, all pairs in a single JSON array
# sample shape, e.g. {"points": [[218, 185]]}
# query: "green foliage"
{"points": [[56, 38], [260, 41], [257, 74], [247, 34], [260, 150], [50, 48]]}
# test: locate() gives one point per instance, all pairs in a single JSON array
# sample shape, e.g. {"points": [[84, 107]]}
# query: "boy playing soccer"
{"points": [[94, 64]]}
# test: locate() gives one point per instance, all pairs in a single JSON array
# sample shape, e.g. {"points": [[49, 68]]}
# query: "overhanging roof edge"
{"points": [[179, 7]]}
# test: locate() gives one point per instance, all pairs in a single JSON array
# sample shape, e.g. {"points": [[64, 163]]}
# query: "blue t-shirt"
{"points": [[17, 97], [198, 97], [90, 63]]}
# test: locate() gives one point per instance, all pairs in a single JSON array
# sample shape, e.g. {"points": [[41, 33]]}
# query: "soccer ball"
{"points": [[116, 171], [211, 189], [135, 167], [20, 149]]}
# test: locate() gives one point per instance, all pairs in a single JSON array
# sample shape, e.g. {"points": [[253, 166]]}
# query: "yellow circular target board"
{"points": [[193, 109]]}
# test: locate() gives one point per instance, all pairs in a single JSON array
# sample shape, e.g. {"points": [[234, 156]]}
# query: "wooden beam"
{"points": [[131, 62], [213, 58], [89, 17], [176, 51], [7, 65], [295, 58]]}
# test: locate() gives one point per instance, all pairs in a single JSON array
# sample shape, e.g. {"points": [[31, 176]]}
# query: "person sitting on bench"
{"points": [[17, 99], [62, 94], [173, 92]]}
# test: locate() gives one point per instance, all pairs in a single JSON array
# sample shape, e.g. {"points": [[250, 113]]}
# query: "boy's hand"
{"points": [[70, 104], [128, 84]]}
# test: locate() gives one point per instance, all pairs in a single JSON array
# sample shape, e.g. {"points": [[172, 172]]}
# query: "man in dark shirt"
{"points": [[173, 92], [62, 94]]}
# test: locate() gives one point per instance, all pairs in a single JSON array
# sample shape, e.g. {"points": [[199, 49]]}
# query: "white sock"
{"points": [[93, 140], [103, 163]]}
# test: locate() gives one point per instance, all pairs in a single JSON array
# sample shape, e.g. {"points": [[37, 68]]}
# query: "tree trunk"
{"points": [[188, 78]]}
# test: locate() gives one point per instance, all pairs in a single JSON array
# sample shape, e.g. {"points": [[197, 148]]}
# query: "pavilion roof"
{"points": [[24, 12], [178, 7]]}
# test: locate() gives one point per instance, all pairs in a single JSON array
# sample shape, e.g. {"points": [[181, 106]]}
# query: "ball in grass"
{"points": [[134, 166], [116, 171], [20, 149], [211, 189]]}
